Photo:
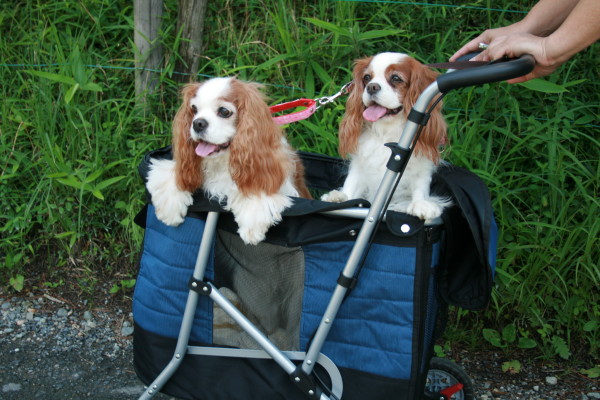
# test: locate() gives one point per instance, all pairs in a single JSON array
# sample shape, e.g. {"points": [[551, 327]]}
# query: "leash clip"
{"points": [[330, 99]]}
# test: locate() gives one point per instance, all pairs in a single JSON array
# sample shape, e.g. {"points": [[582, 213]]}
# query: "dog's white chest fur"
{"points": [[217, 178], [370, 159]]}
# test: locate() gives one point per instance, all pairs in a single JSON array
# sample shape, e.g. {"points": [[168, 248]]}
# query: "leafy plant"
{"points": [[124, 285], [507, 338], [17, 282], [511, 367], [592, 373]]}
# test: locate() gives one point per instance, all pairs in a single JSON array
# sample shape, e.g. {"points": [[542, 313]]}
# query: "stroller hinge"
{"points": [[199, 286], [305, 383], [399, 157]]}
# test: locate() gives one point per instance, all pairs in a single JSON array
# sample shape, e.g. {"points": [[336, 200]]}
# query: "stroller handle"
{"points": [[494, 72]]}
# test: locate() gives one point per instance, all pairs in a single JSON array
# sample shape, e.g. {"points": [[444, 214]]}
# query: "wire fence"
{"points": [[161, 71], [414, 3], [408, 3]]}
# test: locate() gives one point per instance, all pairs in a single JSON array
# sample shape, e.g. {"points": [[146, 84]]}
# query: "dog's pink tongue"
{"points": [[203, 149], [374, 112]]}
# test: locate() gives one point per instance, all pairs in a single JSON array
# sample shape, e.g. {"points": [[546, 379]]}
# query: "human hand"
{"points": [[515, 45], [486, 37]]}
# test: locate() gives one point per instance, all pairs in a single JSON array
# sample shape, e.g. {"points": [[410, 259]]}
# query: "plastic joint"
{"points": [[305, 383], [399, 157], [348, 283], [199, 286], [418, 117]]}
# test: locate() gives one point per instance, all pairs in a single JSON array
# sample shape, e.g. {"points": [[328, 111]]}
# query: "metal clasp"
{"points": [[330, 99]]}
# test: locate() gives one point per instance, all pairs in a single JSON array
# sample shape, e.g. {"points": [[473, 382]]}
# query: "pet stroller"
{"points": [[341, 301]]}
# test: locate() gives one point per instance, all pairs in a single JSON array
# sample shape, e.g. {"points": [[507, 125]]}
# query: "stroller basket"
{"points": [[381, 339], [217, 319]]}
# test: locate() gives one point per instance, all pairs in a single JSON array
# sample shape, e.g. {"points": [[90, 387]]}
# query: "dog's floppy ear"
{"points": [[257, 161], [434, 132], [188, 172], [352, 122]]}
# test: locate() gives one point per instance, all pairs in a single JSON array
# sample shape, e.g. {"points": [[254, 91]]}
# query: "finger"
{"points": [[467, 48], [463, 51], [483, 56]]}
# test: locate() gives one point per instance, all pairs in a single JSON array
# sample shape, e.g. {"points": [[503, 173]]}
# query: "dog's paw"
{"points": [[252, 236], [170, 202], [171, 209], [335, 196], [424, 209], [256, 214]]}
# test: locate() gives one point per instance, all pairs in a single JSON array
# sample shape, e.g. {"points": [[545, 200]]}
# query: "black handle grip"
{"points": [[495, 72]]}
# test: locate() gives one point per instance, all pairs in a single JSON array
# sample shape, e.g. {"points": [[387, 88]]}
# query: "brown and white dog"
{"points": [[386, 87], [226, 142]]}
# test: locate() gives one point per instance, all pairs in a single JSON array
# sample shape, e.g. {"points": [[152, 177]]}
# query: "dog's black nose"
{"points": [[200, 125], [373, 88]]}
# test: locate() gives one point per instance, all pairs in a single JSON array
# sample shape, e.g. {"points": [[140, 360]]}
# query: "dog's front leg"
{"points": [[255, 214], [421, 204], [352, 189], [170, 202]]}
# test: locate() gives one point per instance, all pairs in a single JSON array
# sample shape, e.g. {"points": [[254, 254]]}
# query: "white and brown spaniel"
{"points": [[386, 87], [226, 142]]}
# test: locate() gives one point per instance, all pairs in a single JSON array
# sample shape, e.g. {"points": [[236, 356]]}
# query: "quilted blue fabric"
{"points": [[161, 291], [373, 331]]}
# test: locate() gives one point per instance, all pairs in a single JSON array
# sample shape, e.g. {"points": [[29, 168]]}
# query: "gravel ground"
{"points": [[53, 349]]}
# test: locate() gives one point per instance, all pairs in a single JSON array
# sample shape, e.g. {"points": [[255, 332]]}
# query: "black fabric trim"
{"points": [[140, 217], [222, 378], [465, 276], [395, 221], [210, 378], [323, 172], [421, 293]]}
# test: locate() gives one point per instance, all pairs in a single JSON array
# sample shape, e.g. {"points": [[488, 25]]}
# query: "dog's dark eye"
{"points": [[367, 78], [194, 108], [396, 79], [224, 113]]}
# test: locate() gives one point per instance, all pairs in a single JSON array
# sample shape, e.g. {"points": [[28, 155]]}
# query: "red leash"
{"points": [[310, 108], [309, 104]]}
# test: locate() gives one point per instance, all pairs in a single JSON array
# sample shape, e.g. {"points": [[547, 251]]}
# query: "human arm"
{"points": [[543, 19]]}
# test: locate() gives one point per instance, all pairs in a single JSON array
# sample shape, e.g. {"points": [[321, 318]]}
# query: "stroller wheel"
{"points": [[445, 377]]}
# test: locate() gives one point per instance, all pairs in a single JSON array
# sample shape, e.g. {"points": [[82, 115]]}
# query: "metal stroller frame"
{"points": [[301, 374]]}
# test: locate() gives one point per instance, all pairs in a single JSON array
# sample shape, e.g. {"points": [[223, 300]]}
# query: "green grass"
{"points": [[71, 138]]}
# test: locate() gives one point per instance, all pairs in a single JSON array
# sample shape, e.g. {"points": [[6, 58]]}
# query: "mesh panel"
{"points": [[266, 282]]}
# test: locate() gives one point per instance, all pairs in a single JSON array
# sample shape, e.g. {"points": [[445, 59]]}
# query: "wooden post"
{"points": [[190, 22], [148, 57]]}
